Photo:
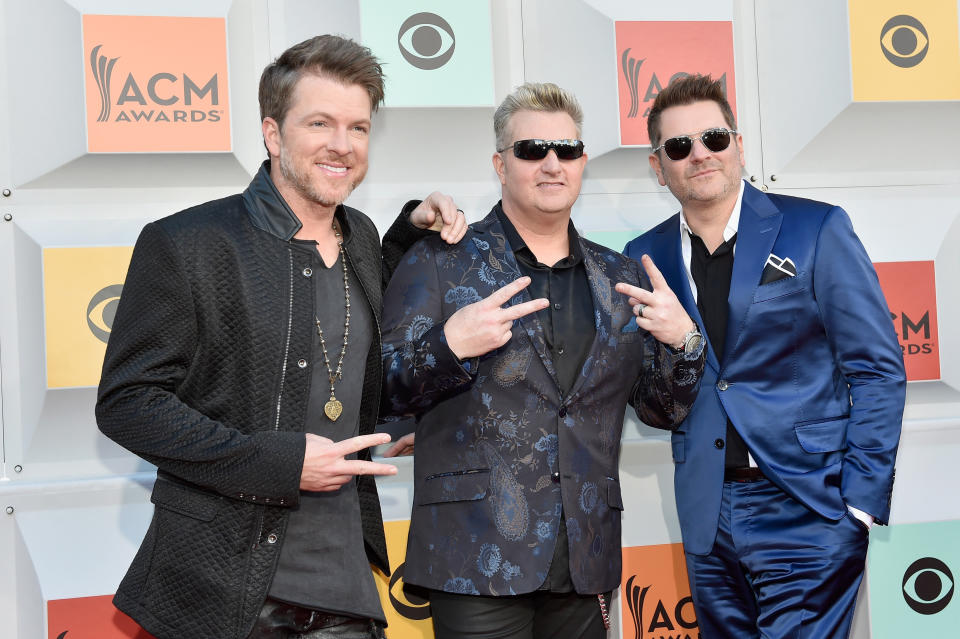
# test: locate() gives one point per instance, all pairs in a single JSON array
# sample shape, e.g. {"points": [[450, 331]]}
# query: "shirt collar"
{"points": [[732, 224], [517, 244]]}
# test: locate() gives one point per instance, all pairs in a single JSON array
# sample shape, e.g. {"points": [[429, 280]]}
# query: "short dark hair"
{"points": [[328, 56], [687, 90]]}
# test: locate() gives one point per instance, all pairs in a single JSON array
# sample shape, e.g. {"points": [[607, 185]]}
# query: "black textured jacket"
{"points": [[207, 376]]}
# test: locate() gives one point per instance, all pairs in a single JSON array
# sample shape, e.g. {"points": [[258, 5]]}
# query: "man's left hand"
{"points": [[439, 213], [658, 312]]}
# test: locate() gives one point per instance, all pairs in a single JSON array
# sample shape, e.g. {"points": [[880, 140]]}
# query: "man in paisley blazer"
{"points": [[518, 356], [787, 456]]}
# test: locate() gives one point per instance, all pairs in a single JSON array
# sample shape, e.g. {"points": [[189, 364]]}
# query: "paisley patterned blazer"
{"points": [[500, 454]]}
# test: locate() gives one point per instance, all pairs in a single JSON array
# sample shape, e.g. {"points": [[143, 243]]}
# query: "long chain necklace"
{"points": [[333, 408]]}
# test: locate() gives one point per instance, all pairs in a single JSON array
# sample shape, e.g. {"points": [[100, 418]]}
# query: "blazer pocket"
{"points": [[458, 485], [773, 290], [823, 435], [185, 500], [614, 498], [678, 443]]}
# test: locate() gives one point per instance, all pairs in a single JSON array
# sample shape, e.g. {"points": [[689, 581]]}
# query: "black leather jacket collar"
{"points": [[270, 212]]}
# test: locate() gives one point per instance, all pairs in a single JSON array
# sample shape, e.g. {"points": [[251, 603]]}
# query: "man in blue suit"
{"points": [[518, 358], [787, 457]]}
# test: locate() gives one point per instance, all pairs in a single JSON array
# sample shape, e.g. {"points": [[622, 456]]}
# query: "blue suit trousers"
{"points": [[777, 570]]}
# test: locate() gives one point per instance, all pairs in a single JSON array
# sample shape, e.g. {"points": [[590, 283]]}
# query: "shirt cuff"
{"points": [[866, 518]]}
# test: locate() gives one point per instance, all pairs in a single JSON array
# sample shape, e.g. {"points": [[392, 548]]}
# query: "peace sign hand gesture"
{"points": [[478, 328], [326, 468], [658, 312]]}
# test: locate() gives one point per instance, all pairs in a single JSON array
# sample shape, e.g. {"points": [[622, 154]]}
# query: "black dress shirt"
{"points": [[711, 275], [569, 330], [568, 322]]}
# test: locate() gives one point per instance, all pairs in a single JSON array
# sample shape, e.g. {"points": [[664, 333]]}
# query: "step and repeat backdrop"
{"points": [[113, 114]]}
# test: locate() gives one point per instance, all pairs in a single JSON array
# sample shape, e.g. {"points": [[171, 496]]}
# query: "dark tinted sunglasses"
{"points": [[715, 140], [538, 149]]}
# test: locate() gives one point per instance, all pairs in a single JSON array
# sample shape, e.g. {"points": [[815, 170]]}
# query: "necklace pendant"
{"points": [[333, 409]]}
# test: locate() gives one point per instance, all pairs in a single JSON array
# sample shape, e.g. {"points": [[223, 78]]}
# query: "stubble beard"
{"points": [[301, 183], [688, 193]]}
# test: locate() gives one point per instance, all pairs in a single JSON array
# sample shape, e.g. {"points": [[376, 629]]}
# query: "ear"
{"points": [[740, 149], [271, 136], [654, 160], [498, 166]]}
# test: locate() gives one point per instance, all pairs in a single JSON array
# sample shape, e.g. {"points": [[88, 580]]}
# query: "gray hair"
{"points": [[535, 96]]}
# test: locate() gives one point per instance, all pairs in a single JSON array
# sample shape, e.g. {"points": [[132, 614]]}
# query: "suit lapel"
{"points": [[604, 296], [756, 233], [667, 249], [491, 245]]}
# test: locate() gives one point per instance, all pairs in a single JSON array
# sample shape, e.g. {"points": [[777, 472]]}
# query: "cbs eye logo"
{"points": [[408, 601], [426, 41], [102, 309], [904, 41], [927, 586]]}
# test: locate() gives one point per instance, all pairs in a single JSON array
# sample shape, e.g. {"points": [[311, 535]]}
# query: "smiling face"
{"points": [[319, 154], [536, 188], [703, 178]]}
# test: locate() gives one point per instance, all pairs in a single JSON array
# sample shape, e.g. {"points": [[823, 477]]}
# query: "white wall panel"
{"points": [[815, 133], [80, 504]]}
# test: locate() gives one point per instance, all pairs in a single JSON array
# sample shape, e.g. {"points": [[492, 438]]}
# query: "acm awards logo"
{"points": [[927, 586], [665, 619], [630, 67], [914, 336], [910, 290], [144, 99], [904, 41], [650, 54], [426, 41]]}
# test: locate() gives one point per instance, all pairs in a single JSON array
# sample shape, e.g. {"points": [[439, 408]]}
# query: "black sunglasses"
{"points": [[538, 149], [715, 140]]}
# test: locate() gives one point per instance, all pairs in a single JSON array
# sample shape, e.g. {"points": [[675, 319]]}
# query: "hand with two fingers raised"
{"points": [[484, 326], [325, 467], [658, 312]]}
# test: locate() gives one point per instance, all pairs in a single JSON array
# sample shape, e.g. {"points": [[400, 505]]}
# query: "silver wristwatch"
{"points": [[692, 344]]}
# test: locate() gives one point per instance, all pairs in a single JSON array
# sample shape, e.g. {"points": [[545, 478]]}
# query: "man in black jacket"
{"points": [[245, 364]]}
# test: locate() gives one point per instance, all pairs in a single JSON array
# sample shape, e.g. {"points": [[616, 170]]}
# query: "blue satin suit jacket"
{"points": [[500, 454], [812, 376]]}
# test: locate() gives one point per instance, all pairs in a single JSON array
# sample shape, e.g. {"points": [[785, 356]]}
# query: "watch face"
{"points": [[694, 342]]}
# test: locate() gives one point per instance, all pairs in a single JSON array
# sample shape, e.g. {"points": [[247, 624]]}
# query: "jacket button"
{"points": [[555, 477], [272, 538], [723, 385], [302, 363], [718, 443], [307, 272], [562, 412]]}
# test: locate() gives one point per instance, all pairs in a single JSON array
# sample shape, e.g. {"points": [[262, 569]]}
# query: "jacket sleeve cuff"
{"points": [[275, 473]]}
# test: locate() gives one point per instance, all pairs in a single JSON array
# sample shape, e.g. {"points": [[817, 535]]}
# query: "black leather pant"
{"points": [[280, 620], [537, 615]]}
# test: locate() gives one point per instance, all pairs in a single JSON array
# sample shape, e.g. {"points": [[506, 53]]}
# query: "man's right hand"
{"points": [[324, 466], [478, 328]]}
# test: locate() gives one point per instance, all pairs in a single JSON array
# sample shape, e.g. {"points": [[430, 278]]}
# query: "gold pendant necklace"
{"points": [[334, 408]]}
